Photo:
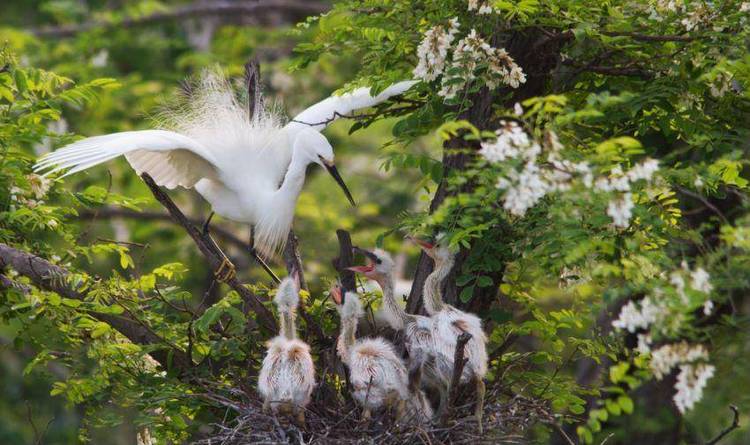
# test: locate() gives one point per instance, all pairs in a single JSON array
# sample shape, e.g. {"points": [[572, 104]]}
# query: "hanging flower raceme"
{"points": [[660, 318], [472, 52], [469, 54], [540, 176], [433, 50]]}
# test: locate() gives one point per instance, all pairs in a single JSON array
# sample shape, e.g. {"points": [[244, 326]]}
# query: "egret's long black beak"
{"points": [[333, 171]]}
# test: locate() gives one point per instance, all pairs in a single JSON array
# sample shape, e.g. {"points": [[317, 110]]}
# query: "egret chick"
{"points": [[377, 374], [417, 328], [448, 323], [287, 377]]}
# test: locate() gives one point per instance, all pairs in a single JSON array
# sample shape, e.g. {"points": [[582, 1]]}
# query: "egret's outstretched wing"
{"points": [[170, 158], [323, 113]]}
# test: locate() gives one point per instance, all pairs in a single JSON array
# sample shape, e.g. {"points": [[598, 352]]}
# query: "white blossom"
{"points": [[433, 50], [643, 171], [668, 356], [690, 383], [526, 190], [482, 8], [700, 280], [470, 52], [708, 307], [644, 343], [745, 7], [621, 210], [512, 142]]}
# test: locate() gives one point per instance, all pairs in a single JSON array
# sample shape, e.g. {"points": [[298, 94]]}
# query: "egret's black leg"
{"points": [[257, 257], [208, 221]]}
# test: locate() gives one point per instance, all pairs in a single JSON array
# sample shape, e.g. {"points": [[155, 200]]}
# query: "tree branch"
{"points": [[50, 277], [293, 262], [735, 424], [267, 11], [458, 369], [344, 260], [213, 254]]}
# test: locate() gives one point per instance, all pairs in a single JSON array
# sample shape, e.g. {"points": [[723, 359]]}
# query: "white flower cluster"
{"points": [[655, 316], [669, 356], [700, 14], [469, 53], [433, 50], [38, 188], [512, 141], [621, 210], [694, 14], [481, 7], [745, 7], [526, 187], [690, 383], [632, 317]]}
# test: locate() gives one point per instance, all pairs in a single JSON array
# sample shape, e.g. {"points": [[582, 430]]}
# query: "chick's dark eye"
{"points": [[378, 261]]}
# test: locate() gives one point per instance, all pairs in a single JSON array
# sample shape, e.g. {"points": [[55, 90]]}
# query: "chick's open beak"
{"points": [[423, 244], [333, 171]]}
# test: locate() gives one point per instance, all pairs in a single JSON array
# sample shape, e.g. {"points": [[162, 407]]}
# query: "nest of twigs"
{"points": [[506, 420]]}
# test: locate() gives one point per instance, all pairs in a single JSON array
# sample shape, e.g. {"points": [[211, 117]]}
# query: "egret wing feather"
{"points": [[170, 158], [323, 113]]}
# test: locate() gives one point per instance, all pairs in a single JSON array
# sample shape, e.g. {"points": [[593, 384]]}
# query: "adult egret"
{"points": [[250, 170], [448, 323], [376, 372], [287, 377]]}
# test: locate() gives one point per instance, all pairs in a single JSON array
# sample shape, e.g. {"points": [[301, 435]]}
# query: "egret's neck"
{"points": [[432, 292], [294, 179], [347, 337], [288, 330], [395, 314]]}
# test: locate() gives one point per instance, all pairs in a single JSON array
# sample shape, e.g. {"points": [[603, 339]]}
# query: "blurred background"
{"points": [[153, 49]]}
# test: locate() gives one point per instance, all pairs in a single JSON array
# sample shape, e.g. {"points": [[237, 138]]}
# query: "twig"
{"points": [[458, 369], [344, 260], [213, 254], [735, 424], [252, 82], [293, 262], [705, 202]]}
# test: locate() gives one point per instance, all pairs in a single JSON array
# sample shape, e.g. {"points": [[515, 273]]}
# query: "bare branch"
{"points": [[458, 369], [735, 424], [293, 262], [251, 12], [50, 277], [344, 260], [213, 254]]}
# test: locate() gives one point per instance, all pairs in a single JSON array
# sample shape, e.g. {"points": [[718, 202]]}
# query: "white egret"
{"points": [[287, 377], [448, 323], [377, 374], [250, 170]]}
